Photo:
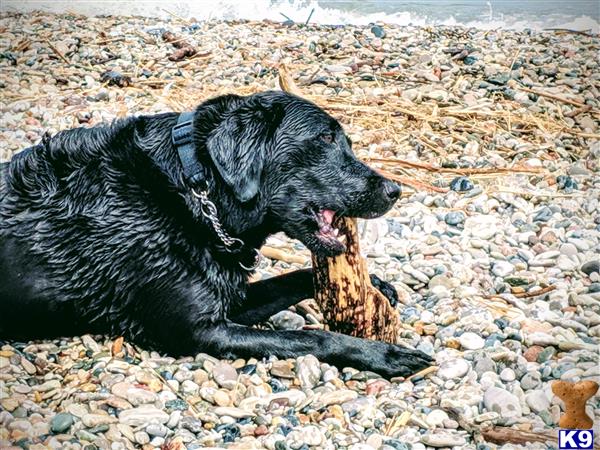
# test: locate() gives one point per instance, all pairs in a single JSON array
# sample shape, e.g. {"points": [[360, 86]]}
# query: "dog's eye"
{"points": [[327, 138]]}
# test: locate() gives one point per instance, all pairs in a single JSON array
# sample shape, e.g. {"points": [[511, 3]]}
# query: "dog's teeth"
{"points": [[342, 238], [326, 229], [336, 231]]}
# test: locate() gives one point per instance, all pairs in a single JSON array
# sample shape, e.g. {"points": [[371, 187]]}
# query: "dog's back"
{"points": [[78, 226]]}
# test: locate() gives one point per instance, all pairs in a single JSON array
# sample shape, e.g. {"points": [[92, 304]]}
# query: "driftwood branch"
{"points": [[279, 255], [456, 170], [505, 435], [350, 304], [555, 97]]}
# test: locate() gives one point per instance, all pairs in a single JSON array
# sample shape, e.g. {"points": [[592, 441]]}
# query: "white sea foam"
{"points": [[299, 11]]}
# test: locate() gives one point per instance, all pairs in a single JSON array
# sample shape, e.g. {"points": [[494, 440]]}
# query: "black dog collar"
{"points": [[194, 173], [183, 139]]}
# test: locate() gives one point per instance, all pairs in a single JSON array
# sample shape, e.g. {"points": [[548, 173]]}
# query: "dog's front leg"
{"points": [[229, 340], [267, 297]]}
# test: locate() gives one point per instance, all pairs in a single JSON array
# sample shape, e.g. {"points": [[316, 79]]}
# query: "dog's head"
{"points": [[287, 157]]}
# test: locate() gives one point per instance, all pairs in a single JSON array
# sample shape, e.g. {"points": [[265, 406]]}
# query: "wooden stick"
{"points": [[552, 96], [279, 255], [58, 52], [350, 304], [567, 30], [504, 435], [461, 171], [578, 111], [417, 185], [535, 293]]}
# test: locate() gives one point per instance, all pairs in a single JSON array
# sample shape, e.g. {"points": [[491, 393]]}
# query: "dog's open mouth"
{"points": [[327, 233]]}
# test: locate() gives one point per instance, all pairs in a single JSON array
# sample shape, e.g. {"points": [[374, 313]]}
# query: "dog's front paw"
{"points": [[386, 289], [399, 361]]}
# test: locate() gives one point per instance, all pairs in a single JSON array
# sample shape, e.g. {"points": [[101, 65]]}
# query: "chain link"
{"points": [[209, 210]]}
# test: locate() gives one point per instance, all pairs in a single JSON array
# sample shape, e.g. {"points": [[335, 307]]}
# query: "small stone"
{"points": [[308, 371], [9, 404], [157, 430], [221, 398], [261, 430], [176, 404], [461, 184], [288, 320], [376, 386], [453, 368], [200, 376], [93, 420], [568, 249], [230, 411], [507, 375], [590, 267], [29, 368], [443, 439], [293, 397], [143, 416], [531, 380], [283, 369], [502, 268], [537, 400], [454, 218], [436, 418], [61, 423], [309, 435], [141, 437], [225, 375], [378, 31], [546, 354], [338, 396], [471, 341], [532, 353], [47, 386], [187, 387], [192, 424], [503, 402], [543, 215], [138, 396], [484, 364]]}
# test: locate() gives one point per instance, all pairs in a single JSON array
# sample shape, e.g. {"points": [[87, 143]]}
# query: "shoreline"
{"points": [[492, 248], [578, 15]]}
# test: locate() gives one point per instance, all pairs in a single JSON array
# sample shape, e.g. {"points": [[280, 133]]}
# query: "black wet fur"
{"points": [[99, 233]]}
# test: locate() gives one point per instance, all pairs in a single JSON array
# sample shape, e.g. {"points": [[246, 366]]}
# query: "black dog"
{"points": [[119, 230]]}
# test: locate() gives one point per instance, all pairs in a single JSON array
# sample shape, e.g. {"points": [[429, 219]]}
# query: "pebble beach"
{"points": [[493, 247]]}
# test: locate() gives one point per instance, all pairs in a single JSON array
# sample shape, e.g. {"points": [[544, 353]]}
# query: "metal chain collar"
{"points": [[232, 245]]}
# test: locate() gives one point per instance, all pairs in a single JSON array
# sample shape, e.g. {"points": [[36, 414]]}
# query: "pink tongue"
{"points": [[328, 215]]}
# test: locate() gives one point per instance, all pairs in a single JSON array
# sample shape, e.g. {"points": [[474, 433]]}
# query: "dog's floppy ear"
{"points": [[238, 146]]}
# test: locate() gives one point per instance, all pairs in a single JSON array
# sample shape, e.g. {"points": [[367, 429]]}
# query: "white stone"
{"points": [[537, 401], [453, 368], [503, 402], [471, 341]]}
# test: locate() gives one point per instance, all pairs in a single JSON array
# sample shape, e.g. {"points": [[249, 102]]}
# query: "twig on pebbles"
{"points": [[456, 170], [554, 97], [535, 293], [57, 52]]}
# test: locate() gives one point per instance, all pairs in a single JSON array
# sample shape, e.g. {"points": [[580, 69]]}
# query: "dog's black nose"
{"points": [[392, 190]]}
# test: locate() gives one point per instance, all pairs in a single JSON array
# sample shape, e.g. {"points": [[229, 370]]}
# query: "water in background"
{"points": [[511, 14]]}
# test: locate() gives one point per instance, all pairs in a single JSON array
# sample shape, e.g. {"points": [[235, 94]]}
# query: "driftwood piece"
{"points": [[505, 435], [350, 303], [343, 289], [184, 48]]}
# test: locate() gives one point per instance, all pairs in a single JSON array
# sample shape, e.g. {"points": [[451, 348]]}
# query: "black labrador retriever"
{"points": [[148, 228]]}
